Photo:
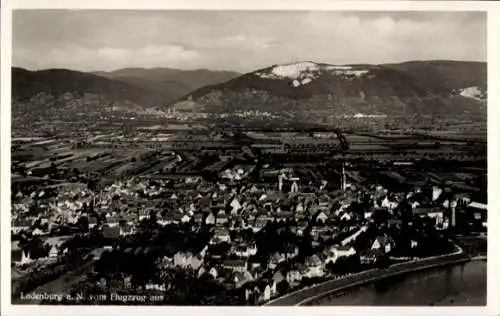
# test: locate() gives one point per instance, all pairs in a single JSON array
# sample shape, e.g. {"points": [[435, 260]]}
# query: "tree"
{"points": [[83, 223], [283, 287], [383, 262]]}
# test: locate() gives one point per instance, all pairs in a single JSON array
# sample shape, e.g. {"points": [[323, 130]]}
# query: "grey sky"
{"points": [[240, 40]]}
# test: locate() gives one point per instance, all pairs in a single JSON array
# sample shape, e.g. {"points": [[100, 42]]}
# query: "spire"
{"points": [[343, 178]]}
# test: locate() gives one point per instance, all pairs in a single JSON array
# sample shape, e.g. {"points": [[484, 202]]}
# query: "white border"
{"points": [[493, 9]]}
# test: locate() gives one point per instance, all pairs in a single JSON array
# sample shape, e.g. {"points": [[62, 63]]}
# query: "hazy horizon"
{"points": [[221, 70], [241, 41]]}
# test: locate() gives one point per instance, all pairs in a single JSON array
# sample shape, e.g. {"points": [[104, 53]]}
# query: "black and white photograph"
{"points": [[217, 157]]}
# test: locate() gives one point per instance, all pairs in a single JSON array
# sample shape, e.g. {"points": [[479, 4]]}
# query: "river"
{"points": [[458, 285]]}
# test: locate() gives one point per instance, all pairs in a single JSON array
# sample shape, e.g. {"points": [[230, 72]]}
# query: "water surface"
{"points": [[462, 285]]}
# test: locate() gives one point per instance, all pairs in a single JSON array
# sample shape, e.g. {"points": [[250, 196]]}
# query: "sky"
{"points": [[240, 40]]}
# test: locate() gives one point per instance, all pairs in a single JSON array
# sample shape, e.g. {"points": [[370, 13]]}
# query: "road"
{"points": [[305, 296]]}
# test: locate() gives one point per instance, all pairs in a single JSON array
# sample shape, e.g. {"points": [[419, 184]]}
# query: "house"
{"points": [[434, 213], [353, 237], [187, 259], [346, 216], [299, 208], [257, 271], [316, 231], [155, 286], [321, 218], [112, 221], [273, 287], [126, 230], [53, 252], [259, 223], [314, 266], [185, 218], [92, 222], [264, 292], [370, 256], [221, 218], [162, 220], [383, 243], [279, 276], [20, 225], [275, 259], [39, 232], [388, 204], [198, 218], [335, 252], [245, 250], [221, 235], [293, 275], [173, 216], [436, 192], [202, 271], [235, 206], [291, 251], [235, 265], [283, 216], [214, 272], [368, 213], [143, 214], [479, 212], [111, 232], [240, 278], [210, 220]]}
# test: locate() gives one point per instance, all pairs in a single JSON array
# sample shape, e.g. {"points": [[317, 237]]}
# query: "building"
{"points": [[314, 267], [335, 252], [435, 213], [246, 250], [235, 265], [53, 253], [210, 220], [383, 243], [126, 230], [111, 232], [19, 256], [221, 235], [187, 259], [370, 257]]}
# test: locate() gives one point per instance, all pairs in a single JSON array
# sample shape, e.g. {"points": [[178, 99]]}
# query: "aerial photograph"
{"points": [[248, 158]]}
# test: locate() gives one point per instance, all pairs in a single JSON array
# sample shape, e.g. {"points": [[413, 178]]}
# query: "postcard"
{"points": [[166, 157]]}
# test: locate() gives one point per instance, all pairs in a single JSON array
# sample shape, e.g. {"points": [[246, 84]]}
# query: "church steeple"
{"points": [[343, 183]]}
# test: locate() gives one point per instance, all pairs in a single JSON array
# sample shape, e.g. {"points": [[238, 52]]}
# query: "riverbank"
{"points": [[306, 295]]}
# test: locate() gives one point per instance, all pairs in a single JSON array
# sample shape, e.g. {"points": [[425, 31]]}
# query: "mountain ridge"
{"points": [[387, 89], [307, 89]]}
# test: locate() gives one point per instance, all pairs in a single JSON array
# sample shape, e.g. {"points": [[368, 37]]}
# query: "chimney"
{"points": [[453, 206]]}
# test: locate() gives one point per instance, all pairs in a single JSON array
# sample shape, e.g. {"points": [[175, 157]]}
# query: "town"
{"points": [[190, 216]]}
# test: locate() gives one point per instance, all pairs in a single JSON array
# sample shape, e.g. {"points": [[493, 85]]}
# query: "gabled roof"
{"points": [[383, 240], [234, 263], [344, 248], [478, 205]]}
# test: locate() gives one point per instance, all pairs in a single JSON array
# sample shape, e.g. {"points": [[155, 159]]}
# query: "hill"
{"points": [[309, 90], [451, 75], [63, 95], [59, 82], [172, 83]]}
